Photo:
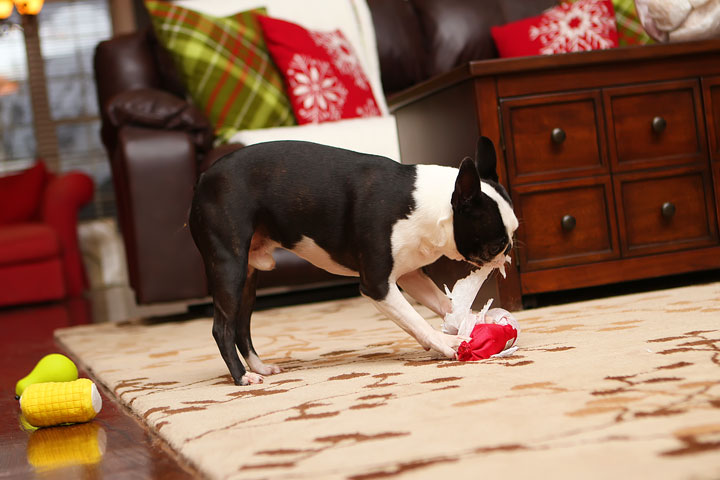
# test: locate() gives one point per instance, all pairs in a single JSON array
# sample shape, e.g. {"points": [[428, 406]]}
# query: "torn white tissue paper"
{"points": [[462, 320]]}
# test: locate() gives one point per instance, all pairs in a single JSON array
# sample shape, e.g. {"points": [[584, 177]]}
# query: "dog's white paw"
{"points": [[268, 369], [454, 341], [251, 378], [444, 344], [451, 343], [258, 366]]}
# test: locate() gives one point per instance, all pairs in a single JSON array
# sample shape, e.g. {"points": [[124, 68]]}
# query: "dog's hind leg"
{"points": [[226, 267], [228, 281], [223, 234], [243, 337]]}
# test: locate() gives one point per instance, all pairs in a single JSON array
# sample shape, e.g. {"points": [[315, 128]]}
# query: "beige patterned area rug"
{"points": [[625, 387]]}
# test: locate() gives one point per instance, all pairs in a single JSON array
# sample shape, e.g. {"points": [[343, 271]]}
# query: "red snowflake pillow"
{"points": [[569, 27], [323, 77]]}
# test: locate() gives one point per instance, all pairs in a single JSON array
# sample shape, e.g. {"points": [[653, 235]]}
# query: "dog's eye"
{"points": [[495, 249]]}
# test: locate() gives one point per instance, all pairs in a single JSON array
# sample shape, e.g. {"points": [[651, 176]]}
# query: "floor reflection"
{"points": [[65, 446], [113, 445]]}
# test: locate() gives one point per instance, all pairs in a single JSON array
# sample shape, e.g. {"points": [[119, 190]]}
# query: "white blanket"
{"points": [[680, 20]]}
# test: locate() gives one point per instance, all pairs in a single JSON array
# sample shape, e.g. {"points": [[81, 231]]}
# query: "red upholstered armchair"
{"points": [[39, 254]]}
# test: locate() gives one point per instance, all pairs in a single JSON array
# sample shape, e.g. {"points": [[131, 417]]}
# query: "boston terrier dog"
{"points": [[350, 214]]}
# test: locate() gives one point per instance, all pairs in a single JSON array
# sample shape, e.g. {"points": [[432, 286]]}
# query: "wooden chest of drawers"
{"points": [[612, 158]]}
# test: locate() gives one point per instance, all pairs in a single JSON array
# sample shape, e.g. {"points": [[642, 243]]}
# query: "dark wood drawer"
{"points": [[654, 125], [716, 188], [552, 137], [711, 97], [665, 210], [566, 223]]}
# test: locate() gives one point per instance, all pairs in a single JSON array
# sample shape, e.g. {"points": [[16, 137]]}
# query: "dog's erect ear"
{"points": [[467, 184], [486, 159]]}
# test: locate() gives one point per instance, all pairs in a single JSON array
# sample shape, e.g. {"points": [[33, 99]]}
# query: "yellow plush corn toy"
{"points": [[55, 403]]}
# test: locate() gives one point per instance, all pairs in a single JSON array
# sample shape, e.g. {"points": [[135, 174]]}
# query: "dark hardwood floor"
{"points": [[69, 452]]}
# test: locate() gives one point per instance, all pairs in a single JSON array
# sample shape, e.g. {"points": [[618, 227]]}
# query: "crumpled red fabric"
{"points": [[486, 340]]}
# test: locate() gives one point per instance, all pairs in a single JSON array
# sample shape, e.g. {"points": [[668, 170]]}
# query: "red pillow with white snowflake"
{"points": [[569, 27], [323, 77]]}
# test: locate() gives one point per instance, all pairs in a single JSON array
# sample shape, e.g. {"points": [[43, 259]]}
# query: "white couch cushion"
{"points": [[375, 135]]}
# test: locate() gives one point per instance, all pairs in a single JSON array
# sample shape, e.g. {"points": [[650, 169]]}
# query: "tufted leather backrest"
{"points": [[418, 39]]}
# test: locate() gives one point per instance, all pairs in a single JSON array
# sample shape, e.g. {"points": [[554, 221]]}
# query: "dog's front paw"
{"points": [[454, 341], [445, 344]]}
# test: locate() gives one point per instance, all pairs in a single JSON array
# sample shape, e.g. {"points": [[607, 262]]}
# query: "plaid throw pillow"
{"points": [[226, 67], [630, 30]]}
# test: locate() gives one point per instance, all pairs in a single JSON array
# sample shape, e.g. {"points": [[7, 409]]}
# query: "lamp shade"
{"points": [[29, 7], [6, 8]]}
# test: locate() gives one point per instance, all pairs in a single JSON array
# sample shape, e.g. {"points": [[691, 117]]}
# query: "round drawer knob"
{"points": [[658, 124], [558, 135], [568, 222], [668, 210]]}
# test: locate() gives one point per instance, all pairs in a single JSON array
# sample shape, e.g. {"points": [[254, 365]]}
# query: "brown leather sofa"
{"points": [[158, 143]]}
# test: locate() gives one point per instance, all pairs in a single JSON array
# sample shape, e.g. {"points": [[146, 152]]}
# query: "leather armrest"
{"points": [[154, 173], [149, 107]]}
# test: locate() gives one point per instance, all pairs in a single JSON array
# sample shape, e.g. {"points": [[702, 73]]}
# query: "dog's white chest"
{"points": [[427, 233], [309, 250]]}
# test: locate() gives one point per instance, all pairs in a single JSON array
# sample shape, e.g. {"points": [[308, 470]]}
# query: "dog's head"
{"points": [[483, 217]]}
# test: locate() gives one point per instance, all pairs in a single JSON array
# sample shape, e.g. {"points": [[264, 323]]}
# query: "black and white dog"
{"points": [[350, 214]]}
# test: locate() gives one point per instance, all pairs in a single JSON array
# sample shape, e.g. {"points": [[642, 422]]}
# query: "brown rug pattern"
{"points": [[625, 387]]}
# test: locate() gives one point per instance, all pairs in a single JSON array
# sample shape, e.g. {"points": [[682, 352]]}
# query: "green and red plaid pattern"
{"points": [[629, 28], [225, 65]]}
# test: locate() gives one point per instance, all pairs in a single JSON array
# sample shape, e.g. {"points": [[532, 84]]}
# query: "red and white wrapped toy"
{"points": [[492, 332]]}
